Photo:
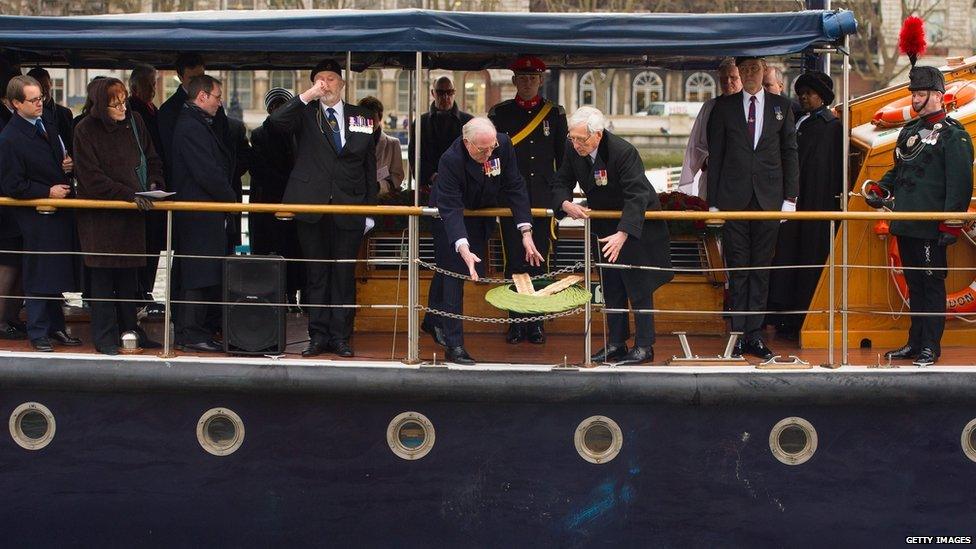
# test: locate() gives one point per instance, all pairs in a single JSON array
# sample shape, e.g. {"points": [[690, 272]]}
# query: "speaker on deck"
{"points": [[249, 327]]}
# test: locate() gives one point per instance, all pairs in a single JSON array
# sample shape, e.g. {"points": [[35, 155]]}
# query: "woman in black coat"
{"points": [[819, 137], [114, 159]]}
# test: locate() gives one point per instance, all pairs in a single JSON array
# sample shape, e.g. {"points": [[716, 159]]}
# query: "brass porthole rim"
{"points": [[393, 436], [803, 455], [967, 446], [207, 444], [616, 439], [17, 432]]}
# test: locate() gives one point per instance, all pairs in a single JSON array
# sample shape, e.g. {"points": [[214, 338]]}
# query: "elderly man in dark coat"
{"points": [[611, 174], [819, 138], [114, 159], [34, 166], [202, 169], [480, 170]]}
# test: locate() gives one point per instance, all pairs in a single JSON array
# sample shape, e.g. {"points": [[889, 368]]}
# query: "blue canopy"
{"points": [[456, 40]]}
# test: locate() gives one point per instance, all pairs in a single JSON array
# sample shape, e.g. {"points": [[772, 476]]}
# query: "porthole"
{"points": [[410, 435], [598, 439], [793, 440], [220, 431], [969, 440], [32, 426]]}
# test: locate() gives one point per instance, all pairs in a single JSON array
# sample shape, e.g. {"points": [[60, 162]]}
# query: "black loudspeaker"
{"points": [[251, 328]]}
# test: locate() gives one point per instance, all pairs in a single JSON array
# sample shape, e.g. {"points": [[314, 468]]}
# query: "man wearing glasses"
{"points": [[479, 170], [611, 174], [537, 128], [34, 166], [438, 129]]}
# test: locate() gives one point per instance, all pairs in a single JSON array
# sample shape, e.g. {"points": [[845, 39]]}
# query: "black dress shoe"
{"points": [[637, 355], [738, 348], [341, 348], [926, 357], [109, 350], [516, 333], [756, 347], [42, 344], [435, 332], [458, 355], [10, 332], [63, 338], [535, 334], [610, 353], [314, 348], [900, 354], [203, 347]]}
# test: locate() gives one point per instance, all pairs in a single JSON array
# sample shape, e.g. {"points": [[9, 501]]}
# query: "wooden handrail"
{"points": [[236, 207]]}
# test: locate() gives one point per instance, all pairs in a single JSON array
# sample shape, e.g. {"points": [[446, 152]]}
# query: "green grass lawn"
{"points": [[662, 158]]}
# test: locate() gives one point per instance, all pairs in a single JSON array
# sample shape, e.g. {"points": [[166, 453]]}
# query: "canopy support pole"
{"points": [[845, 176], [350, 81], [413, 228]]}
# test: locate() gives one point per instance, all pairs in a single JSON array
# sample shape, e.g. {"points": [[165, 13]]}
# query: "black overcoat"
{"points": [[29, 167], [201, 172], [628, 190], [321, 174], [438, 130], [462, 184]]}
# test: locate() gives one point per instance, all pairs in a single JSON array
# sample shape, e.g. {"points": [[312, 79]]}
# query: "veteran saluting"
{"points": [[479, 170]]}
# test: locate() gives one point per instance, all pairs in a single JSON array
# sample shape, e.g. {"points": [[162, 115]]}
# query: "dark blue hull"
{"points": [[315, 469]]}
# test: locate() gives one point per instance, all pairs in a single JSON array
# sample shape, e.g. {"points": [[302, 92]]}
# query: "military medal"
{"points": [[600, 176], [779, 113], [493, 167], [360, 124], [545, 128], [911, 141], [937, 126]]}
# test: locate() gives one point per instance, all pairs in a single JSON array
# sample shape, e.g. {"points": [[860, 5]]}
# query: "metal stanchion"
{"points": [[413, 238], [168, 269], [588, 283], [845, 168], [831, 266]]}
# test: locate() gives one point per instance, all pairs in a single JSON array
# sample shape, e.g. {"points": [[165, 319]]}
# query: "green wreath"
{"points": [[506, 298]]}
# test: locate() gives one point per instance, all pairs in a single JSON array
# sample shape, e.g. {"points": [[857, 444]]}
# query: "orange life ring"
{"points": [[900, 111], [962, 301]]}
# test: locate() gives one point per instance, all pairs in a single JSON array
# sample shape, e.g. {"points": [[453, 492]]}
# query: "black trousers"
{"points": [[110, 319], [749, 244], [44, 316], [620, 287], [446, 293], [926, 290], [329, 283], [198, 323]]}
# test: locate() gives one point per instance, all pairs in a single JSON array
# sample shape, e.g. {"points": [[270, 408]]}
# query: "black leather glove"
{"points": [[143, 203], [874, 202], [946, 239]]}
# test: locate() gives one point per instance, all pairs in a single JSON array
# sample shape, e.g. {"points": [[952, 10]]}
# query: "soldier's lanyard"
{"points": [[533, 124]]}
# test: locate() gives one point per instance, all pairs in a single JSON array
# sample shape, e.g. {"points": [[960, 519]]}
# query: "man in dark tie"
{"points": [[35, 166], [752, 163], [335, 163]]}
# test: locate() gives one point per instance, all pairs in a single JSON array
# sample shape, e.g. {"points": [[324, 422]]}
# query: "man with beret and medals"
{"points": [[933, 172], [538, 130]]}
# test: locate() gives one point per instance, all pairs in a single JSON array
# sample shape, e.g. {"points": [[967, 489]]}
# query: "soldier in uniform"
{"points": [[538, 130], [933, 172]]}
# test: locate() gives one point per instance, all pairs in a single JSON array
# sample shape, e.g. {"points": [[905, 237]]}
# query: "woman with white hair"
{"points": [[611, 174]]}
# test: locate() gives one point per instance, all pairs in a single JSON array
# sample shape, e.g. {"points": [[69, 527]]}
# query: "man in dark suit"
{"points": [[335, 163], [201, 171], [188, 65], [480, 170], [537, 128], [34, 166], [611, 174], [439, 128], [752, 162], [61, 115]]}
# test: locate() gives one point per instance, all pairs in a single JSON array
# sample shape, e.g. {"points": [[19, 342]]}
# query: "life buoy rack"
{"points": [[962, 301], [900, 111]]}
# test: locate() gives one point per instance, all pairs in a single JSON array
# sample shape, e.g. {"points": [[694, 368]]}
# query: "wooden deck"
{"points": [[492, 348]]}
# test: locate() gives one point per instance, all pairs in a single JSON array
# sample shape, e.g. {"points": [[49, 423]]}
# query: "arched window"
{"points": [[700, 86], [403, 94], [368, 83], [240, 86], [587, 90], [647, 88], [283, 79]]}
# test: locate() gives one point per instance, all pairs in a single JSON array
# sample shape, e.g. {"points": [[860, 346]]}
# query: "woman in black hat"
{"points": [[819, 136]]}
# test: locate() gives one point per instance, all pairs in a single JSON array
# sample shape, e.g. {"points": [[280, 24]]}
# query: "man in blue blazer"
{"points": [[34, 166], [479, 170]]}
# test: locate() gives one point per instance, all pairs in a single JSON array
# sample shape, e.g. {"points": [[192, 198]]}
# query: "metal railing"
{"points": [[413, 262]]}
